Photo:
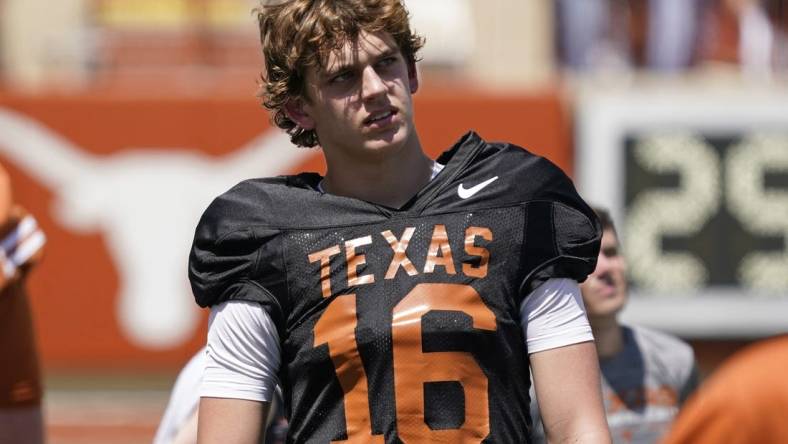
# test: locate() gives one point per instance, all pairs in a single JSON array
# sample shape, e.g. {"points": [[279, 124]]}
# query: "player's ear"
{"points": [[413, 77], [295, 110]]}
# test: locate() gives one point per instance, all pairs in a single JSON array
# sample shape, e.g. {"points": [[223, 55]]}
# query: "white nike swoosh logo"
{"points": [[465, 193]]}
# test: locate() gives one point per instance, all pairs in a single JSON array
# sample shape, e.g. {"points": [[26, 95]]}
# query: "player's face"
{"points": [[605, 290], [360, 102]]}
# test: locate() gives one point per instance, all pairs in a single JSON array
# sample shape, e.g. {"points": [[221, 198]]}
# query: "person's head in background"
{"points": [[605, 290]]}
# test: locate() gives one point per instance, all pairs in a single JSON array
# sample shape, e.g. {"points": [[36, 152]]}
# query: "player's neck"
{"points": [[390, 181], [608, 336]]}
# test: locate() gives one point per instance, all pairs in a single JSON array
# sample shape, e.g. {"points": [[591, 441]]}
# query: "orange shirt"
{"points": [[745, 401]]}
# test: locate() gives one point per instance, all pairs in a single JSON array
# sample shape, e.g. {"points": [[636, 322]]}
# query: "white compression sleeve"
{"points": [[553, 316], [243, 353]]}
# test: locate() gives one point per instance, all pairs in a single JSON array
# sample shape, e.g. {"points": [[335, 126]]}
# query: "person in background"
{"points": [[646, 374], [739, 33], [21, 393], [605, 35], [744, 401]]}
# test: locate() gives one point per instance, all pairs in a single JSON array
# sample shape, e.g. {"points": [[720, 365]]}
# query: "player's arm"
{"points": [[239, 421], [566, 381], [239, 380], [564, 363]]}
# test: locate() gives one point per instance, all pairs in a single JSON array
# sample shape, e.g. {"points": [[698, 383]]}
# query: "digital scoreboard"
{"points": [[698, 188]]}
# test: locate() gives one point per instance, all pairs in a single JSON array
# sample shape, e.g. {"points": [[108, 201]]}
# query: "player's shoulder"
{"points": [[562, 230], [515, 159], [259, 195], [536, 181], [663, 346], [237, 238], [262, 202], [525, 176]]}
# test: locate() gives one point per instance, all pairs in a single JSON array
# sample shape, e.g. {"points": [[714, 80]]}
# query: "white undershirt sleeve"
{"points": [[243, 353], [553, 316]]}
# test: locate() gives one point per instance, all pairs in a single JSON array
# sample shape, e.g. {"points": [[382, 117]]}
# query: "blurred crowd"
{"points": [[81, 43], [673, 35]]}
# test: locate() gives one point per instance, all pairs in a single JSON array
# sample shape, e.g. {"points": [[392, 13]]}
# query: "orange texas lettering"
{"points": [[437, 258]]}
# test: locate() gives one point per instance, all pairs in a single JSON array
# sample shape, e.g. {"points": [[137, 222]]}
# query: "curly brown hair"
{"points": [[298, 34]]}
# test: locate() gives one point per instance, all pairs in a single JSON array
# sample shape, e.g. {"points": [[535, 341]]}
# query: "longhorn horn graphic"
{"points": [[126, 196], [48, 157]]}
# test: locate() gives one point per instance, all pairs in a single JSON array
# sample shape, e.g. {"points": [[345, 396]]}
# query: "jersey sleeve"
{"points": [[235, 256], [562, 233]]}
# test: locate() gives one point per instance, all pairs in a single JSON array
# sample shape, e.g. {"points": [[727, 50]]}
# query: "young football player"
{"points": [[646, 374], [21, 244], [397, 298]]}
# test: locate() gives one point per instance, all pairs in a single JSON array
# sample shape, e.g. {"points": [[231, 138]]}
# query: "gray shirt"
{"points": [[643, 386]]}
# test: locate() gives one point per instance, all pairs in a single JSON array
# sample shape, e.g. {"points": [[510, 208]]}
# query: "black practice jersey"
{"points": [[401, 325]]}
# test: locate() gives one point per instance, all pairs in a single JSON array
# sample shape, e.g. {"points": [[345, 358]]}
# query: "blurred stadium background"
{"points": [[121, 119]]}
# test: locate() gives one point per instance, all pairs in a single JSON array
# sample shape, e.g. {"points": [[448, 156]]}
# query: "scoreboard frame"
{"points": [[606, 123]]}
